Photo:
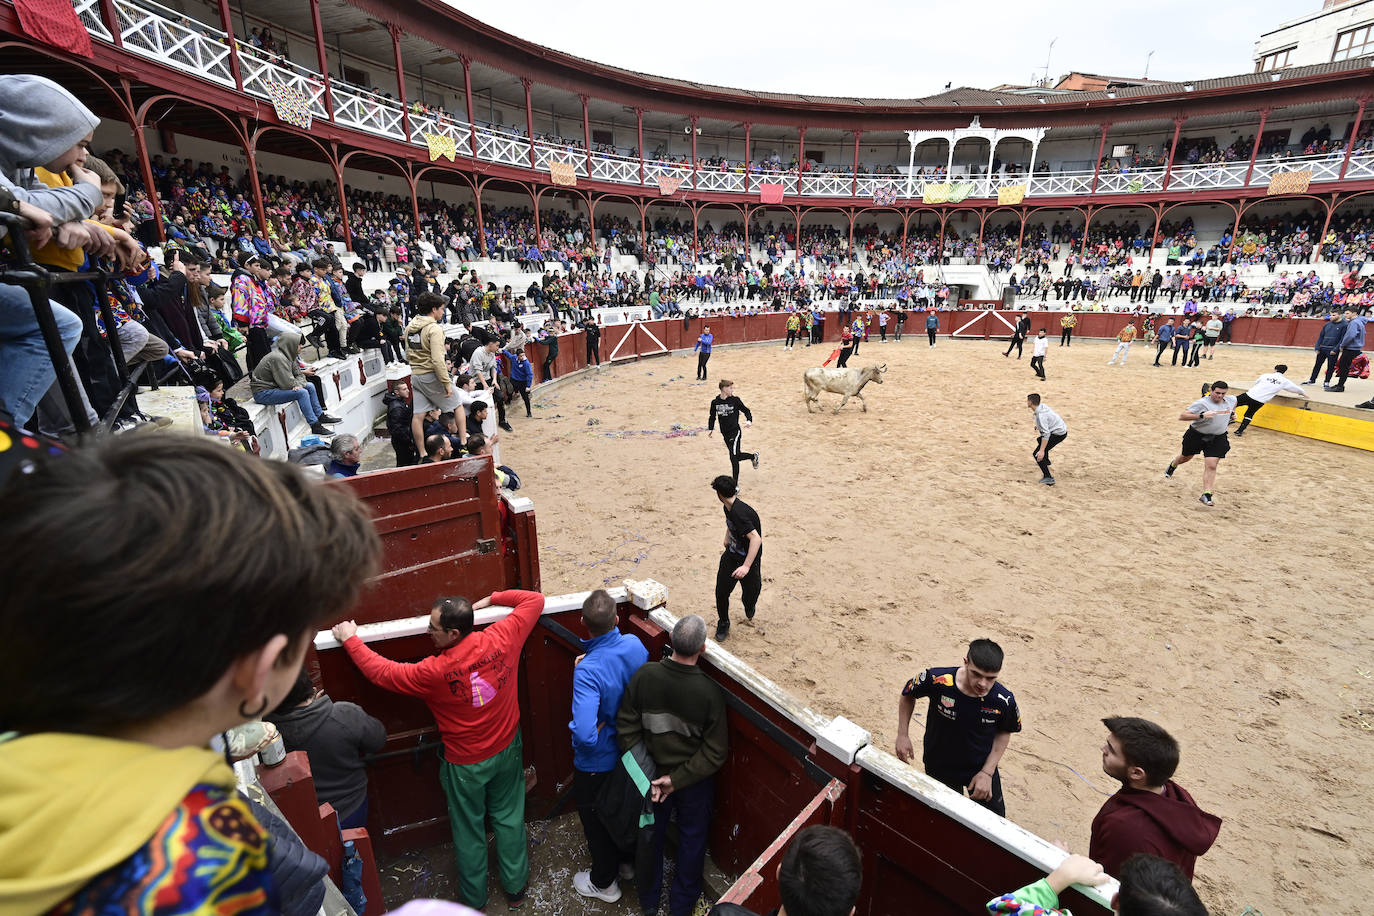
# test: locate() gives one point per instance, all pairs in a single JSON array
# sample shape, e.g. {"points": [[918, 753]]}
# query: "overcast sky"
{"points": [[896, 48]]}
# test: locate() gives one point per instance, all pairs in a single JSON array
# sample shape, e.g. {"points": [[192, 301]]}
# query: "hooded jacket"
{"points": [[398, 416], [39, 121], [1168, 824], [77, 807], [277, 370], [335, 736], [425, 348]]}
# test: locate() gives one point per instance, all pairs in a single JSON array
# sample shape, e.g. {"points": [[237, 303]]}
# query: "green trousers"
{"points": [[493, 787]]}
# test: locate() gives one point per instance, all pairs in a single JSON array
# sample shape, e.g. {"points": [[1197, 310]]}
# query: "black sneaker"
{"points": [[1205, 499], [749, 614], [722, 633], [1238, 433], [1169, 471], [756, 467], [515, 901], [1337, 389], [507, 427], [320, 429], [1310, 381], [326, 418], [1367, 405]]}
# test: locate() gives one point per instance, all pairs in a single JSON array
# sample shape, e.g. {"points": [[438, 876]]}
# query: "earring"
{"points": [[255, 713]]}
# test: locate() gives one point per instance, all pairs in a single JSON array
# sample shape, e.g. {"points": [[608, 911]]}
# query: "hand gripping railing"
{"points": [[38, 282]]}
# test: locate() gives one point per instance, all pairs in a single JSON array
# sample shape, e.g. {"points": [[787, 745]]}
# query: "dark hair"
{"points": [[321, 263], [435, 444], [1144, 744], [600, 612], [1151, 886], [358, 265], [157, 600], [725, 485], [302, 690], [446, 416], [820, 873], [1219, 384], [1280, 368], [476, 442], [724, 383], [455, 613], [428, 302], [1033, 398], [986, 655]]}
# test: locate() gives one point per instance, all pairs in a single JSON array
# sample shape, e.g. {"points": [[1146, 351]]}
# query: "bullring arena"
{"points": [[894, 537], [358, 210]]}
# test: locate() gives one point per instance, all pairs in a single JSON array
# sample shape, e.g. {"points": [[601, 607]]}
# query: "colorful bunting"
{"points": [[770, 193], [290, 104], [1011, 195], [1135, 185], [668, 185], [563, 173], [959, 191], [1290, 182], [440, 145], [885, 196]]}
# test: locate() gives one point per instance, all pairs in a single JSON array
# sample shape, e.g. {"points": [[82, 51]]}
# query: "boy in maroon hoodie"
{"points": [[1150, 813]]}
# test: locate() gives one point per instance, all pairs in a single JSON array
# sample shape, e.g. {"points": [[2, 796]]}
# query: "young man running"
{"points": [[1206, 434], [1123, 345], [742, 560], [726, 408]]}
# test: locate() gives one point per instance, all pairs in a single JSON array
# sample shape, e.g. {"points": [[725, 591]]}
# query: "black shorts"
{"points": [[1210, 446]]}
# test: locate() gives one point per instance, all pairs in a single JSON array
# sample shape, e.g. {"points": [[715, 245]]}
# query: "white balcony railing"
{"points": [[88, 11], [716, 180], [544, 154], [258, 70], [495, 146], [421, 124], [653, 171], [165, 36], [358, 108], [615, 168]]}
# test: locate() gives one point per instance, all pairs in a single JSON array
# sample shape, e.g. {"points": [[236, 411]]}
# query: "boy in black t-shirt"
{"points": [[742, 560], [969, 723], [727, 408]]}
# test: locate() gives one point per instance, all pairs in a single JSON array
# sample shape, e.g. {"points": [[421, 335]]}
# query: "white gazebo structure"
{"points": [[975, 131]]}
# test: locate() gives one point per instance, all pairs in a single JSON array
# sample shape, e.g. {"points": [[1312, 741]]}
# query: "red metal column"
{"points": [[414, 203], [395, 31], [1173, 150], [1254, 150], [259, 210], [477, 207], [343, 204], [748, 128], [1354, 132], [694, 157], [472, 125], [1235, 231], [1097, 166], [586, 135], [1087, 221], [695, 249], [321, 58], [1020, 236], [639, 134], [854, 186], [1330, 209], [111, 20], [906, 221], [146, 167], [228, 25], [529, 123], [850, 214]]}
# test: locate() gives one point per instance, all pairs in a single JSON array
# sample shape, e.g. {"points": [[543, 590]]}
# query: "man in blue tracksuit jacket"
{"points": [[1328, 345], [1162, 337], [1352, 342], [599, 682]]}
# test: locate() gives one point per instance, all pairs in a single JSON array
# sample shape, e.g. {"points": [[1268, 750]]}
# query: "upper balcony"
{"points": [[165, 36]]}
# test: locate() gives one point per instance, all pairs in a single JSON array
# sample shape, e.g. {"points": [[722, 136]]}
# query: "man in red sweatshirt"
{"points": [[1150, 813], [471, 688]]}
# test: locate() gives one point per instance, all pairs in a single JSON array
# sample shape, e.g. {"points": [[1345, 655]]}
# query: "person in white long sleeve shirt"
{"points": [[1051, 430], [1041, 347], [1262, 392]]}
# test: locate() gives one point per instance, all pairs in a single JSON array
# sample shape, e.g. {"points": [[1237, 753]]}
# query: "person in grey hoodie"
{"points": [[41, 124], [278, 380], [335, 736], [1352, 343]]}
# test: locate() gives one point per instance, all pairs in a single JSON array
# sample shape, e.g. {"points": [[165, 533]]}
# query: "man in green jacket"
{"points": [[278, 380], [679, 714]]}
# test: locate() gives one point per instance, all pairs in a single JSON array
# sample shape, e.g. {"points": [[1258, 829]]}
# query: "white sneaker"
{"points": [[582, 883]]}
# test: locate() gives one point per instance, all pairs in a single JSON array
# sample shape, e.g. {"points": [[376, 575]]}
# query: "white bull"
{"points": [[847, 382]]}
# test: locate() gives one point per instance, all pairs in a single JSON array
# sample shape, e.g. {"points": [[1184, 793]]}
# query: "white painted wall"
{"points": [[1313, 36]]}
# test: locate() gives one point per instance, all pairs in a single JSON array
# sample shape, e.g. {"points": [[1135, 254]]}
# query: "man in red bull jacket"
{"points": [[471, 687], [1150, 813]]}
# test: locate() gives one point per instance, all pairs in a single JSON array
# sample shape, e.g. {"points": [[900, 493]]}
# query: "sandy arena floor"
{"points": [[894, 537]]}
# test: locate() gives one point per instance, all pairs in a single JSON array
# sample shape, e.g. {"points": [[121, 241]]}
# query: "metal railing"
{"points": [[161, 34]]}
